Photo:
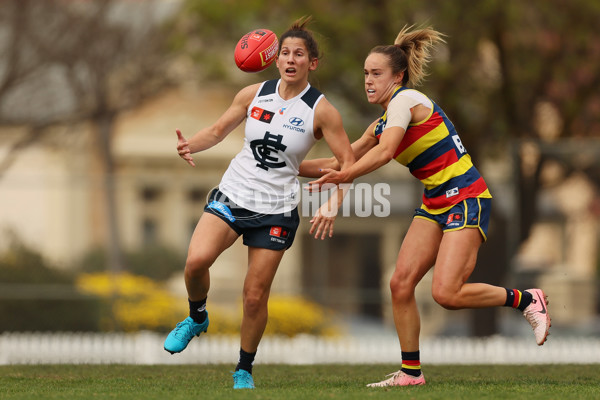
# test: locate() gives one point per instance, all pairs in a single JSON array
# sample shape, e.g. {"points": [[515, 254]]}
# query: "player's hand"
{"points": [[323, 220], [331, 177], [183, 148]]}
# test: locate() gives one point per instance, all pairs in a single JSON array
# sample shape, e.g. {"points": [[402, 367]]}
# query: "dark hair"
{"points": [[298, 30], [410, 53]]}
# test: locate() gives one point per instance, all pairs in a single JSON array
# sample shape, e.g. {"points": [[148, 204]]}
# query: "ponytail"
{"points": [[411, 52], [299, 30]]}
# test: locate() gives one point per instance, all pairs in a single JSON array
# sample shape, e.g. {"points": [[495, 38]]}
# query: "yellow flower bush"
{"points": [[293, 315], [138, 303], [288, 316]]}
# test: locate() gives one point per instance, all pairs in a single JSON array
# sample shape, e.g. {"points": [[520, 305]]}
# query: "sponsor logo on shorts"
{"points": [[454, 220], [222, 209], [279, 234], [278, 231]]}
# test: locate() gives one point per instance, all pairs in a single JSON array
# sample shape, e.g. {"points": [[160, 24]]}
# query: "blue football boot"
{"points": [[242, 379], [184, 331]]}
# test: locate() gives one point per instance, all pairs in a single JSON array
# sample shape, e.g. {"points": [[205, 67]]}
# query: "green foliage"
{"points": [[135, 303], [50, 315], [155, 262], [501, 60], [207, 31], [289, 382], [48, 299], [39, 297], [21, 264]]}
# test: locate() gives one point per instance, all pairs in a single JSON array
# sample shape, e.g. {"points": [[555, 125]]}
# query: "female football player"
{"points": [[451, 224], [258, 195]]}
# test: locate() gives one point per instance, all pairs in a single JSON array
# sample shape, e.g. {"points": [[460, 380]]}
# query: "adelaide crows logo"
{"points": [[262, 148], [380, 126]]}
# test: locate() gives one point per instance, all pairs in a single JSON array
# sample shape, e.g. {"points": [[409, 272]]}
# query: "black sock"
{"points": [[198, 310], [246, 361], [411, 364]]}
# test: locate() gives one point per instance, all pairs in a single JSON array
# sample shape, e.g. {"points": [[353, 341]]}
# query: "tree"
{"points": [[67, 62], [507, 67]]}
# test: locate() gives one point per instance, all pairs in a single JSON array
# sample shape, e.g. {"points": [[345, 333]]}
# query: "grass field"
{"points": [[296, 382]]}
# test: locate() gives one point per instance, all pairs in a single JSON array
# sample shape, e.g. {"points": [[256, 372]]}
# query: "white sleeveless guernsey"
{"points": [[279, 133]]}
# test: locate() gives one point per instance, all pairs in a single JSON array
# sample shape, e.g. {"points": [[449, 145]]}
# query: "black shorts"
{"points": [[267, 231]]}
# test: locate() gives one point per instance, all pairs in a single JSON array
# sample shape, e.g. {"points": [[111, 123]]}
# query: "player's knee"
{"points": [[254, 303], [197, 264], [445, 298], [402, 286]]}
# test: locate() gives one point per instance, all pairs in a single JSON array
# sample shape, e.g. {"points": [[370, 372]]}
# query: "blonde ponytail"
{"points": [[417, 45], [411, 52]]}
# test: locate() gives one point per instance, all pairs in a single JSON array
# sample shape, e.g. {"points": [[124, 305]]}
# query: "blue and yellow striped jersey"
{"points": [[434, 154]]}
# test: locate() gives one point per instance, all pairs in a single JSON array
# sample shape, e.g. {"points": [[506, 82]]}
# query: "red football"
{"points": [[256, 50]]}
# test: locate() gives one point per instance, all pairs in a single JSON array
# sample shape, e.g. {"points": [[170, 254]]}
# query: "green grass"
{"points": [[296, 382]]}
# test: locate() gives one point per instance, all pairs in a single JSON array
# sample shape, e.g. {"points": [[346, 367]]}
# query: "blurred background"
{"points": [[97, 209]]}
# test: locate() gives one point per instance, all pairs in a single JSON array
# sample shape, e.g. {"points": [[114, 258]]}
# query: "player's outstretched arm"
{"points": [[215, 133]]}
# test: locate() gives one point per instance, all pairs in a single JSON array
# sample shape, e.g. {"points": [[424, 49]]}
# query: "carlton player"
{"points": [[259, 193]]}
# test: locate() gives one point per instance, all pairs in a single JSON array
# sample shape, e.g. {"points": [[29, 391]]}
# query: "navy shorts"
{"points": [[469, 213], [267, 231]]}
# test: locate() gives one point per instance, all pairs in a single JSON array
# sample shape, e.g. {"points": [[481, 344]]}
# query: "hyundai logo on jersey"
{"points": [[296, 121], [295, 124]]}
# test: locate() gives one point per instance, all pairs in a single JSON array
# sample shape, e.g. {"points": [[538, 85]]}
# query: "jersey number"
{"points": [[459, 144]]}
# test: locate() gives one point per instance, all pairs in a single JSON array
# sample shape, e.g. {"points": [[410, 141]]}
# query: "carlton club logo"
{"points": [[262, 150]]}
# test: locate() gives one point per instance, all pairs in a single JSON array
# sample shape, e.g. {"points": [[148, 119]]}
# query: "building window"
{"points": [[149, 231], [150, 194], [151, 198], [196, 195]]}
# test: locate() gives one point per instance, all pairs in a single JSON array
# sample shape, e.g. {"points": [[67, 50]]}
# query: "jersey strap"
{"points": [[311, 96], [268, 88]]}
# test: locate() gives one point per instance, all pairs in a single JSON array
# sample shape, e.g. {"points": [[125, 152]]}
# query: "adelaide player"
{"points": [[451, 224], [258, 195]]}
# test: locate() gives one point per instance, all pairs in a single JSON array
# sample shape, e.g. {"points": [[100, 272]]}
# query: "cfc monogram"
{"points": [[262, 149]]}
